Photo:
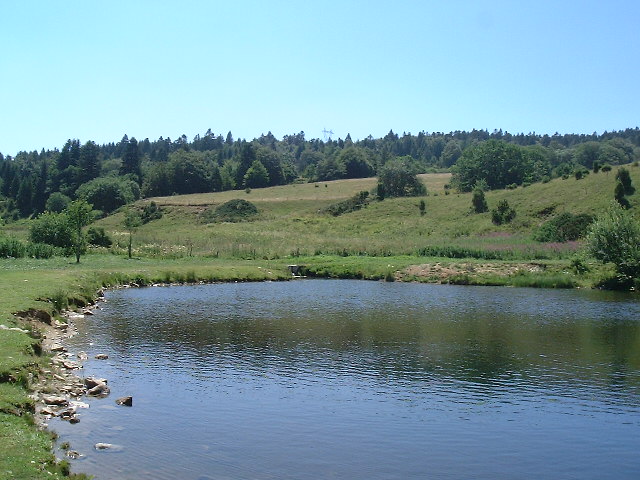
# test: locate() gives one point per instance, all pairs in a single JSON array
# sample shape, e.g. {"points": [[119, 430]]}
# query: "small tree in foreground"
{"points": [[79, 216], [615, 237], [132, 220]]}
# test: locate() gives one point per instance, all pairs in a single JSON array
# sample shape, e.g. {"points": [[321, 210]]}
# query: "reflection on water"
{"points": [[350, 379]]}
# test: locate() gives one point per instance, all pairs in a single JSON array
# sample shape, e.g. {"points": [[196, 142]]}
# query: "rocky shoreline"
{"points": [[59, 390]]}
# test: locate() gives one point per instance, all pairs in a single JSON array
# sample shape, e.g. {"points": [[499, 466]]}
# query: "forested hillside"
{"points": [[111, 175]]}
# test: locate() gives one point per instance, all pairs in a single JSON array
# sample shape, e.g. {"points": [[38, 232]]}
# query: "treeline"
{"points": [[111, 175]]}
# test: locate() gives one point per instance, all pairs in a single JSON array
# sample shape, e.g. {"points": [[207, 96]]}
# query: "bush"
{"points": [[53, 229], [351, 205], [397, 179], [615, 237], [13, 248], [623, 177], [109, 193], [151, 212], [503, 213], [57, 202], [580, 173], [236, 210], [97, 237], [478, 201], [498, 163], [619, 195], [564, 228]]}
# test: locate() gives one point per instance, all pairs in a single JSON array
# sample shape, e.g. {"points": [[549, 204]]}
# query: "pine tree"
{"points": [[89, 161], [131, 160]]}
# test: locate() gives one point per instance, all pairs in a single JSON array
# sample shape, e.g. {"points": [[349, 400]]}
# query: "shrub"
{"points": [[109, 193], [615, 237], [13, 248], [398, 179], [236, 210], [623, 177], [564, 228], [422, 206], [97, 237], [503, 213], [52, 229], [351, 205], [57, 202], [151, 212], [619, 195], [478, 201], [580, 173]]}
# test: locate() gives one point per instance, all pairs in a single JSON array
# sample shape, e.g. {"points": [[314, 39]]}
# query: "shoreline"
{"points": [[41, 308]]}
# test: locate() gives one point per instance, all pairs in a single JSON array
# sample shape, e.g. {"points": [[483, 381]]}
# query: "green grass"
{"points": [[25, 452], [291, 221]]}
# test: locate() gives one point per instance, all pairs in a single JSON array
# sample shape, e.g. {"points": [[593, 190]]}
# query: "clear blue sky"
{"points": [[96, 70]]}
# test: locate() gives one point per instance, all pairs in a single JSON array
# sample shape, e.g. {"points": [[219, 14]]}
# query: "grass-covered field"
{"points": [[387, 240], [289, 222]]}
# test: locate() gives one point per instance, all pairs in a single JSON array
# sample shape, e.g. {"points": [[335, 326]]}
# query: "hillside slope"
{"points": [[291, 221]]}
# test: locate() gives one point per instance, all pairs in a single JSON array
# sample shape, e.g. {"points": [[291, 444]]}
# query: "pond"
{"points": [[319, 379]]}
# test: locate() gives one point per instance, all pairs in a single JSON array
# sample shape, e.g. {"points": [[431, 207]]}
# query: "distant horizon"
{"points": [[307, 137]]}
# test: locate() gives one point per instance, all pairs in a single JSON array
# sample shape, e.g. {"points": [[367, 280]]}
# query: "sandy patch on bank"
{"points": [[441, 273]]}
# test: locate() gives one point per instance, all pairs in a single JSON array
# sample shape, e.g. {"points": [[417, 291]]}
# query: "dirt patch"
{"points": [[441, 273]]}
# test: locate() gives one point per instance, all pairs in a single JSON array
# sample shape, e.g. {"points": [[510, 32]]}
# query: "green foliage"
{"points": [[422, 206], [580, 172], [278, 172], [131, 160], [619, 195], [53, 229], [57, 202], [499, 164], [451, 251], [615, 237], [563, 228], [330, 169], [256, 176], [78, 215], [398, 179], [97, 237], [150, 212], [355, 163], [451, 153], [236, 210], [109, 193], [579, 265], [346, 206], [478, 201], [503, 213], [623, 176], [14, 248], [132, 220]]}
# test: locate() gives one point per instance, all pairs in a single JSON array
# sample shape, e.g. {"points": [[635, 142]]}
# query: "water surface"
{"points": [[341, 379]]}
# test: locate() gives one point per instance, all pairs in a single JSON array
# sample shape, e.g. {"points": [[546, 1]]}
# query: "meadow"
{"points": [[291, 222]]}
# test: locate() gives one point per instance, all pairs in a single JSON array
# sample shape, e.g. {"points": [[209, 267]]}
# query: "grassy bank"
{"points": [[25, 451]]}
